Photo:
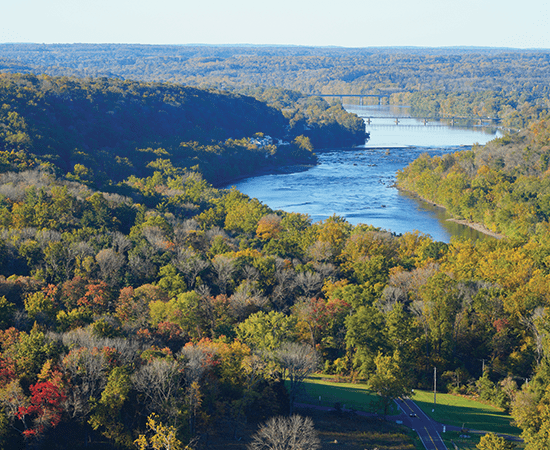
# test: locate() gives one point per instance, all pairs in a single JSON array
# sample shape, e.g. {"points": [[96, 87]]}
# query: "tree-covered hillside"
{"points": [[504, 185], [511, 85], [184, 301], [191, 303], [108, 129], [138, 299]]}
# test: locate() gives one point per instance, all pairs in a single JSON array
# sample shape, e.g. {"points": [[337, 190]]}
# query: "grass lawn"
{"points": [[451, 438], [467, 443], [460, 411], [349, 395]]}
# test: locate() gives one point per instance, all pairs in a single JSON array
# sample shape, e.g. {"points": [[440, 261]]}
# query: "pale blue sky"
{"points": [[358, 23]]}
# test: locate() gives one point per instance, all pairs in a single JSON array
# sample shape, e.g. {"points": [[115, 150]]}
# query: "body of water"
{"points": [[360, 184]]}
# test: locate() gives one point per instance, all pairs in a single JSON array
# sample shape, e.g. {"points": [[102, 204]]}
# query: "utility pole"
{"points": [[435, 384]]}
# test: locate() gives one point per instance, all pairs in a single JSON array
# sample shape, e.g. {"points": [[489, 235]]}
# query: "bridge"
{"points": [[478, 120], [369, 119], [359, 96]]}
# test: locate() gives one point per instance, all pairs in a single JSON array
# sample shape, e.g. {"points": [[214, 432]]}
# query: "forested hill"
{"points": [[312, 70], [174, 301], [107, 129], [504, 185], [511, 85]]}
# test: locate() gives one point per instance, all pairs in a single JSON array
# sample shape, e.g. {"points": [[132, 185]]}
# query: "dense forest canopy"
{"points": [[512, 85], [503, 185], [311, 70], [115, 128], [133, 292]]}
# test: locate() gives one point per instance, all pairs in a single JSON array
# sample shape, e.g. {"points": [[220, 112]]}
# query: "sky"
{"points": [[343, 23]]}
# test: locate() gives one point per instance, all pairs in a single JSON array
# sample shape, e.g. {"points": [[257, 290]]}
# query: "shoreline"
{"points": [[473, 225], [267, 170], [478, 227]]}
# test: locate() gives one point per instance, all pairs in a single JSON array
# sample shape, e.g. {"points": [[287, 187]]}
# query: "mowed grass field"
{"points": [[348, 395], [464, 412]]}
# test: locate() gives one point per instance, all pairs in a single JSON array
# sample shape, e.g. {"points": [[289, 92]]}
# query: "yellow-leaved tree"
{"points": [[159, 436]]}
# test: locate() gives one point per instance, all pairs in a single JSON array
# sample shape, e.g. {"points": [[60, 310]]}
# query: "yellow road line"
{"points": [[435, 446]]}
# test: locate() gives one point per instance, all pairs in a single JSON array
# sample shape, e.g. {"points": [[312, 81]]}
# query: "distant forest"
{"points": [[512, 85]]}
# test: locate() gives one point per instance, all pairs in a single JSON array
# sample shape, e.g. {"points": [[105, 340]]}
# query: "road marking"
{"points": [[431, 438], [420, 436]]}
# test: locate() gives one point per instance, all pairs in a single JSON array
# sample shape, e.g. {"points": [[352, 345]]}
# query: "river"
{"points": [[359, 184]]}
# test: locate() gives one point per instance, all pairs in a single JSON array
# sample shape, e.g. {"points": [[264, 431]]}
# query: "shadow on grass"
{"points": [[320, 391], [466, 413]]}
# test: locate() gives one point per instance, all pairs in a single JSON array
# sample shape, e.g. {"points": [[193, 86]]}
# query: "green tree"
{"points": [[6, 311], [267, 331], [491, 441], [107, 414], [366, 337], [389, 380]]}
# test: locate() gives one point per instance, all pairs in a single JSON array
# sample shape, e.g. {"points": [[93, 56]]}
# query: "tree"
{"points": [[161, 437], [224, 268], [197, 360], [6, 311], [286, 433], [160, 383], [184, 311], [269, 227], [533, 416], [44, 409], [389, 380], [41, 304], [107, 412], [297, 361], [310, 282], [269, 331], [493, 442], [33, 349], [110, 262], [524, 409], [85, 370], [322, 322], [367, 336], [303, 143]]}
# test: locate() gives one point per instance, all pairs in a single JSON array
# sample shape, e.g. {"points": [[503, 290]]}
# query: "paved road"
{"points": [[413, 417], [427, 429]]}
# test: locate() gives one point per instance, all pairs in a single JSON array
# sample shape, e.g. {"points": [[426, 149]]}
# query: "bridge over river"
{"points": [[494, 121], [379, 96], [450, 120]]}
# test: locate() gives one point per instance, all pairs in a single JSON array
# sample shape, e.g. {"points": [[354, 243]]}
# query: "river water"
{"points": [[359, 184]]}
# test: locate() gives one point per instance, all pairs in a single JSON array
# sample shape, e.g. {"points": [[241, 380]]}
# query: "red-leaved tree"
{"points": [[44, 411]]}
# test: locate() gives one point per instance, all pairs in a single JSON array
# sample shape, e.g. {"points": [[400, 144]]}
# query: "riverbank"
{"points": [[266, 170], [478, 227], [473, 225]]}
